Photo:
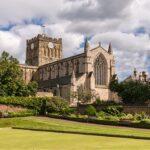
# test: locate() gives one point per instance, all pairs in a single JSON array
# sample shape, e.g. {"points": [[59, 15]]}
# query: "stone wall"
{"points": [[91, 68], [29, 72], [44, 94], [136, 109], [61, 68]]}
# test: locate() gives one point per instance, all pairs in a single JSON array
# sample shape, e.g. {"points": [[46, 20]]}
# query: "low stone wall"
{"points": [[44, 94], [136, 109]]}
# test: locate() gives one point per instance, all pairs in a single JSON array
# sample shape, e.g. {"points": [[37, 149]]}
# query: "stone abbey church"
{"points": [[91, 69]]}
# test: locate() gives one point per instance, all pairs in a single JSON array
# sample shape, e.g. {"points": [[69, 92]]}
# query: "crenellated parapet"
{"points": [[42, 37]]}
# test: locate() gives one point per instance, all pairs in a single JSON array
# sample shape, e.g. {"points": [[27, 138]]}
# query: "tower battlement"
{"points": [[41, 37]]}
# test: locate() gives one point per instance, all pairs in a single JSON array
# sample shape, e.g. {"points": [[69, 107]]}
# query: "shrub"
{"points": [[112, 118], [1, 114], [73, 110], [113, 110], [131, 92], [141, 116], [83, 95], [101, 114], [40, 104], [58, 105], [127, 117], [98, 102], [11, 81], [35, 103], [90, 111], [146, 121], [43, 106]]}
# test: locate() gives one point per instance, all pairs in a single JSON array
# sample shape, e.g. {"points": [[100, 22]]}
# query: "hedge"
{"points": [[27, 102], [40, 104], [142, 124]]}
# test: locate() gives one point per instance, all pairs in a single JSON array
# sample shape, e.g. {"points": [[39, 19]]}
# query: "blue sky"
{"points": [[73, 20]]}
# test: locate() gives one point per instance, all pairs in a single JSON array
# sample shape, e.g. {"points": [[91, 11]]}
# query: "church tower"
{"points": [[43, 50]]}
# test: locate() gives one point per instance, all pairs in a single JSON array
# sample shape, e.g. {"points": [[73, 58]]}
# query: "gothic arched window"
{"points": [[100, 71], [67, 68]]}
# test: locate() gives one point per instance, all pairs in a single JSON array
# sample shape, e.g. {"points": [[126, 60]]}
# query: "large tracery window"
{"points": [[100, 71]]}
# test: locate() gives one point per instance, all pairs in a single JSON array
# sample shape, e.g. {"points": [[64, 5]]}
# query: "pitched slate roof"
{"points": [[66, 80]]}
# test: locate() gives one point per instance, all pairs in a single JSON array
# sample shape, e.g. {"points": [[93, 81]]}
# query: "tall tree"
{"points": [[11, 81], [131, 92]]}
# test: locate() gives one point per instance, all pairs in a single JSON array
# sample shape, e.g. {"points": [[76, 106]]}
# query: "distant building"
{"points": [[139, 76], [92, 69]]}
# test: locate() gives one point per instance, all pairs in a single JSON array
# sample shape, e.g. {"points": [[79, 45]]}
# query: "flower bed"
{"points": [[11, 108], [11, 111]]}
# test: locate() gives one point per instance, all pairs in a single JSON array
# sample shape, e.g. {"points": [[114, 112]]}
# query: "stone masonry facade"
{"points": [[92, 69]]}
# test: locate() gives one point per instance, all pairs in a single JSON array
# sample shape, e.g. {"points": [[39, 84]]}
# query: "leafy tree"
{"points": [[11, 82], [114, 83], [131, 92], [32, 88], [83, 95]]}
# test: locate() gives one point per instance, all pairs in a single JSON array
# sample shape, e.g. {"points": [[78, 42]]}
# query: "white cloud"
{"points": [[14, 41], [18, 10], [95, 9], [71, 41], [130, 51], [118, 22], [10, 42]]}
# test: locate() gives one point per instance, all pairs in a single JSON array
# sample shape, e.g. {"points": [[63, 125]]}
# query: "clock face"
{"points": [[32, 46], [50, 45]]}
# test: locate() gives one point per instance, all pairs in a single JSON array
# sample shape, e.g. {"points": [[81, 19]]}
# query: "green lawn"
{"points": [[13, 139], [44, 123]]}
